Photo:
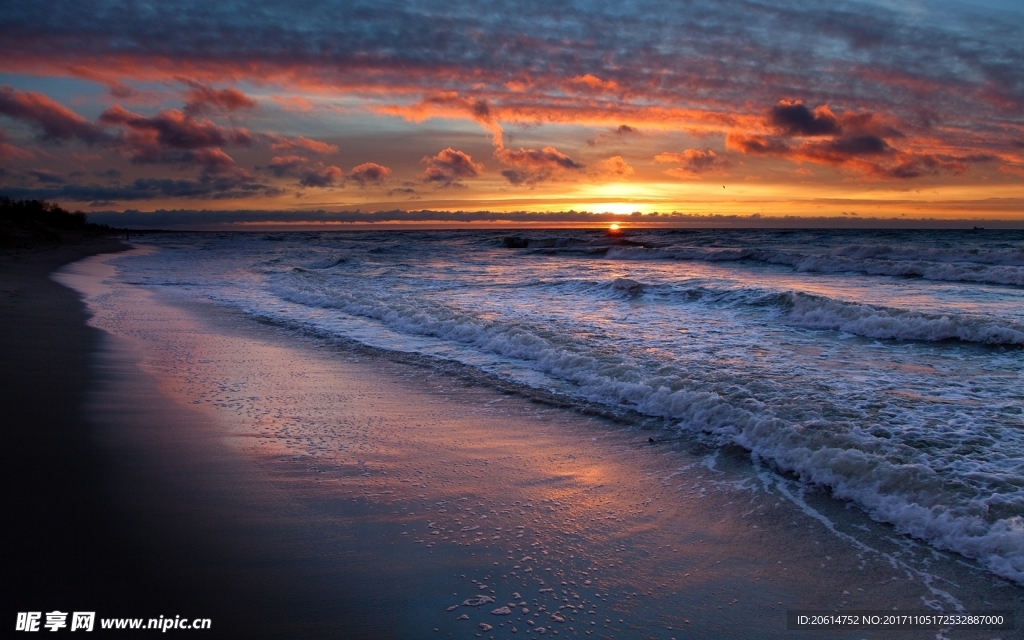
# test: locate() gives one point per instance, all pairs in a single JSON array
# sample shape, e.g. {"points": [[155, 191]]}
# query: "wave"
{"points": [[326, 263], [902, 253], [819, 312], [999, 268], [892, 481], [810, 311]]}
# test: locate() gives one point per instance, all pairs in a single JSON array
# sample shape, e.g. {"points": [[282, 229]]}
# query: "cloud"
{"points": [[369, 173], [794, 119], [172, 129], [615, 166], [857, 140], [56, 121], [911, 165], [282, 166], [530, 166], [295, 104], [692, 161], [174, 137], [449, 103], [321, 177], [615, 135], [449, 166], [197, 219], [947, 81], [212, 160], [593, 83], [841, 149], [10, 152], [756, 145], [299, 143], [202, 99], [116, 88], [216, 188], [404, 191], [47, 177]]}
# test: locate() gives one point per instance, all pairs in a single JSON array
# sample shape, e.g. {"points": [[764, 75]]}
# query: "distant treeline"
{"points": [[40, 212], [24, 223]]}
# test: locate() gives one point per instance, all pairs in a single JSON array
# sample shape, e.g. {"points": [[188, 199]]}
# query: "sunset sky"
{"points": [[912, 108]]}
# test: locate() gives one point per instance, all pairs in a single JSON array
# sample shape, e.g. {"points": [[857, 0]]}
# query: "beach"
{"points": [[282, 484]]}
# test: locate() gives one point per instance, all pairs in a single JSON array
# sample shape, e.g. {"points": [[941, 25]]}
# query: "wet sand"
{"points": [[284, 484]]}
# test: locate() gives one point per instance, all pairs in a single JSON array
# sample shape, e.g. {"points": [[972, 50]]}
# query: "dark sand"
{"points": [[113, 517], [61, 547], [213, 467]]}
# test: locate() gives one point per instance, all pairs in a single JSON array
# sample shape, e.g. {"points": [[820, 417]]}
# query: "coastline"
{"points": [[217, 504], [53, 472], [94, 525]]}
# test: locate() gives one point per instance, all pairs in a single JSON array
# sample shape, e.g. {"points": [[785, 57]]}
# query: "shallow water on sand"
{"points": [[467, 501], [884, 366]]}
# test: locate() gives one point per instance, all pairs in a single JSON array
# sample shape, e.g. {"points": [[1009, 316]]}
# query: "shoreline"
{"points": [[318, 517], [53, 472]]}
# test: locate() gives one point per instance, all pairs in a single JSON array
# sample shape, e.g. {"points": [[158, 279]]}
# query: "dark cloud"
{"points": [[192, 219], [795, 119], [317, 175], [918, 165], [201, 99], [221, 188], [862, 141], [10, 152], [282, 166], [56, 121], [691, 64], [172, 129], [321, 177], [756, 145], [692, 161], [865, 145], [531, 166], [683, 54], [47, 177], [110, 174], [450, 166]]}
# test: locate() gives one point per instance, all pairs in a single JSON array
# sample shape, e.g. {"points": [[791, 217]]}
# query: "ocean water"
{"points": [[886, 367]]}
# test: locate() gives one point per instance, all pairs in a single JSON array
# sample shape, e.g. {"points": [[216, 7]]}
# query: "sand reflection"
{"points": [[522, 518]]}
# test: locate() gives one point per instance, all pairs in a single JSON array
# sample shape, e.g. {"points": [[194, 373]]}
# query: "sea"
{"points": [[885, 368]]}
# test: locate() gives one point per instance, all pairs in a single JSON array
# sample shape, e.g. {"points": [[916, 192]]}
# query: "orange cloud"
{"points": [[202, 98], [448, 104], [615, 166], [369, 173], [294, 103], [284, 143], [593, 83], [56, 121]]}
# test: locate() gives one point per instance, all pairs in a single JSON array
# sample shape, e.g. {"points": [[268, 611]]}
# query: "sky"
{"points": [[881, 109]]}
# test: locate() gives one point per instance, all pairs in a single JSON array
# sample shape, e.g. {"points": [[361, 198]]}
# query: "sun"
{"points": [[613, 227]]}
